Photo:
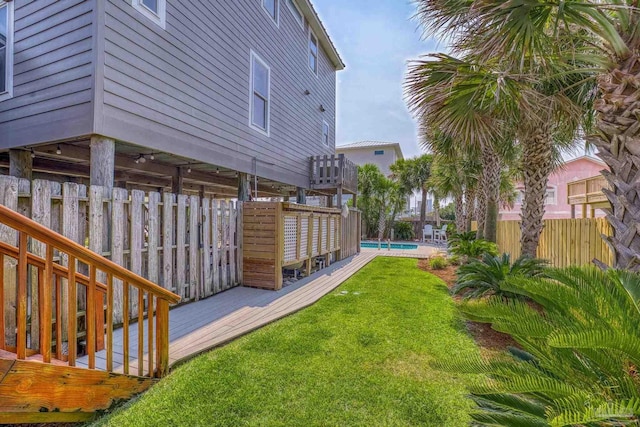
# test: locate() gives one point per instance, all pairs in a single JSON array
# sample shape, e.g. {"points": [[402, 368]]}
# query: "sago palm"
{"points": [[603, 34], [579, 349]]}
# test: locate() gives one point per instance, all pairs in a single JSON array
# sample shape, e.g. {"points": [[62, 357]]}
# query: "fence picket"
{"points": [[563, 242]]}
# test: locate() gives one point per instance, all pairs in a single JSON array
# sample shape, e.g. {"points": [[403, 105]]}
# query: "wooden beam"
{"points": [[102, 157], [301, 196], [244, 190], [124, 162], [177, 186], [20, 164]]}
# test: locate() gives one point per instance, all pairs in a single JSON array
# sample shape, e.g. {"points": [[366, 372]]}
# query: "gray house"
{"points": [[194, 95]]}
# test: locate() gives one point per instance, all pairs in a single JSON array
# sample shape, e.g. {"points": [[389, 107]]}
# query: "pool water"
{"points": [[383, 245]]}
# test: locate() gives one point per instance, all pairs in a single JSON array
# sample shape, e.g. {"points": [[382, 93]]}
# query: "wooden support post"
{"points": [[355, 200], [573, 211], [339, 197], [103, 158], [584, 211], [20, 164], [593, 213], [301, 196], [244, 187], [177, 184]]}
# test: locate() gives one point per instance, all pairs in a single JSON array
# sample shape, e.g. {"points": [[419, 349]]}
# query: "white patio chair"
{"points": [[427, 233], [440, 235]]}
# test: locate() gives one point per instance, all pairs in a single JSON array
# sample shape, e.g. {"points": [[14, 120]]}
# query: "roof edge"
{"points": [[321, 32]]}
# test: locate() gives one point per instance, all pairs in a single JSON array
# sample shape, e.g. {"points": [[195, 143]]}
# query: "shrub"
{"points": [[455, 260], [438, 263], [465, 245], [578, 356], [403, 231], [485, 277]]}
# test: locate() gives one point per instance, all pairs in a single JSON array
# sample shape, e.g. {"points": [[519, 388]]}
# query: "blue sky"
{"points": [[375, 40]]}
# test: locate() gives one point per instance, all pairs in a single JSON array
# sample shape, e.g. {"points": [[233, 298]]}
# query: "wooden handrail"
{"points": [[62, 283], [39, 232]]}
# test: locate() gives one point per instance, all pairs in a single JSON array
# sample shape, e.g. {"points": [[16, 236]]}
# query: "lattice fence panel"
{"points": [[314, 245], [332, 231], [290, 236], [304, 237], [325, 240]]}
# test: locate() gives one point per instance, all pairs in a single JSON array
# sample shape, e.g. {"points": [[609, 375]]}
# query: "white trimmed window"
{"points": [[260, 94], [325, 133], [313, 52], [272, 9], [155, 10], [297, 13], [6, 50]]}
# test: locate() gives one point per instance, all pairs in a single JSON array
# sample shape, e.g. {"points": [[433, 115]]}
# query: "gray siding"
{"points": [[53, 63], [185, 90]]}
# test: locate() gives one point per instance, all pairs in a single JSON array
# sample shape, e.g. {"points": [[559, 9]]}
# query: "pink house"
{"points": [[557, 206]]}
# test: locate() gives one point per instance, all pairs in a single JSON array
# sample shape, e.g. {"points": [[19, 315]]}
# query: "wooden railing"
{"points": [[60, 282], [332, 172], [587, 191]]}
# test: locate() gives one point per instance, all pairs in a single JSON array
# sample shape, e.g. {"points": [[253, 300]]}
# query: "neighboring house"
{"points": [[382, 154], [185, 94], [557, 206]]}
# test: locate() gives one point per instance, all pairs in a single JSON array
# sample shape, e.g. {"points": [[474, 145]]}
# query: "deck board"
{"points": [[200, 326]]}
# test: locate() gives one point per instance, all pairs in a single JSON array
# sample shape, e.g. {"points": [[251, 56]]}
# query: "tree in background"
{"points": [[414, 174], [380, 200], [590, 38]]}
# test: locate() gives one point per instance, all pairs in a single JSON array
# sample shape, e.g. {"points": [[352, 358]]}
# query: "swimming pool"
{"points": [[383, 245]]}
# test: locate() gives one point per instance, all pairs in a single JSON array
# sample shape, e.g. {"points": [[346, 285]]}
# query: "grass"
{"points": [[359, 357]]}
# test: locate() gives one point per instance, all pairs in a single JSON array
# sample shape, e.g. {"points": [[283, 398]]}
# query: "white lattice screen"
{"points": [[315, 247], [304, 237], [325, 240], [332, 230], [290, 236]]}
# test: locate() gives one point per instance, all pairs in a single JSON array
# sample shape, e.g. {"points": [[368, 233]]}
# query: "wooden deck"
{"points": [[201, 326]]}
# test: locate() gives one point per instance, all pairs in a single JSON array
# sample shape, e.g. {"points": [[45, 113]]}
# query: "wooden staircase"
{"points": [[57, 308]]}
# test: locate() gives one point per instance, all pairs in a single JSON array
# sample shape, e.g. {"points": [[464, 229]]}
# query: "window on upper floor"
{"points": [[6, 50], [325, 133], [378, 153], [295, 10], [155, 10], [272, 9], [260, 94], [313, 52], [549, 198]]}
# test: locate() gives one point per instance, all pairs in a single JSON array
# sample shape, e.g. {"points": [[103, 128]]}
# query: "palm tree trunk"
{"points": [[618, 142], [481, 207], [423, 209], [469, 206], [491, 169], [436, 209], [537, 165], [382, 222], [460, 212]]}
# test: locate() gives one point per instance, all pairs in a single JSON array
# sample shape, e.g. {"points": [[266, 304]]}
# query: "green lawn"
{"points": [[359, 357]]}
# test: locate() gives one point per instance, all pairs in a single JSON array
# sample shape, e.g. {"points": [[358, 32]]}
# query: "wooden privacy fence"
{"points": [[280, 235], [563, 242], [350, 236], [186, 244]]}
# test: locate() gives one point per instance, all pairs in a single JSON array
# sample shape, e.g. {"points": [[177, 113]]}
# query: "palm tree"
{"points": [[369, 178], [413, 174], [468, 103], [537, 114], [604, 35]]}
